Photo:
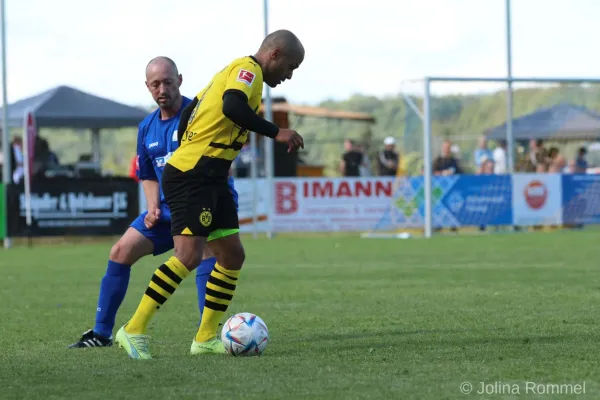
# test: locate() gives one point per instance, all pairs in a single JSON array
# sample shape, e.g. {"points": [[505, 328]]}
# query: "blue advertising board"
{"points": [[475, 200], [467, 200], [581, 199]]}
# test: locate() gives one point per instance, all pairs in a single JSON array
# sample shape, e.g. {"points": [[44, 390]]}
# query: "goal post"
{"points": [[462, 111]]}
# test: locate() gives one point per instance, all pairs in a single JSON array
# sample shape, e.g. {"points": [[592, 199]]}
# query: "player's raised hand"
{"points": [[292, 138]]}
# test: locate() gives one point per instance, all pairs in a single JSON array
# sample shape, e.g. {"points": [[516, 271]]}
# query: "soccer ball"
{"points": [[245, 334]]}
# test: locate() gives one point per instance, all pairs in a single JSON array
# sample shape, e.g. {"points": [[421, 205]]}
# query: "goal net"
{"points": [[455, 147]]}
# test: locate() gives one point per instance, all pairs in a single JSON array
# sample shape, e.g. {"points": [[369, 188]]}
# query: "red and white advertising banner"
{"points": [[330, 204], [537, 199], [315, 204]]}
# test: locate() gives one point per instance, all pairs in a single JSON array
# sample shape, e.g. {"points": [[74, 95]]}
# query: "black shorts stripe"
{"points": [[220, 283], [154, 295], [218, 295], [168, 272], [162, 284], [215, 306]]}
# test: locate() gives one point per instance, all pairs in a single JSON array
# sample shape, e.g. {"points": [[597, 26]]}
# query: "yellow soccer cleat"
{"points": [[135, 345], [213, 346]]}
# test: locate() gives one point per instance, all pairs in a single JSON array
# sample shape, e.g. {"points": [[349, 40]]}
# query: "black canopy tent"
{"points": [[67, 107], [559, 122]]}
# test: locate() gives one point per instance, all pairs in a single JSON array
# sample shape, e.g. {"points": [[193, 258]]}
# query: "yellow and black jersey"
{"points": [[211, 141]]}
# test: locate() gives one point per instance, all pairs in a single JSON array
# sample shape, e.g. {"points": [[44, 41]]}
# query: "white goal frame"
{"points": [[426, 119]]}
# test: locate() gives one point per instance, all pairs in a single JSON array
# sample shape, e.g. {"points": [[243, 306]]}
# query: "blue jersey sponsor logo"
{"points": [[162, 161]]}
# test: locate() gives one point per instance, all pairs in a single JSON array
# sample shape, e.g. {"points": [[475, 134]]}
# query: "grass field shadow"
{"points": [[394, 332], [462, 338]]}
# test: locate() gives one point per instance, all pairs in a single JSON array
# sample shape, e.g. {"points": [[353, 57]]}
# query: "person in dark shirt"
{"points": [[581, 164], [351, 160], [388, 158], [446, 163]]}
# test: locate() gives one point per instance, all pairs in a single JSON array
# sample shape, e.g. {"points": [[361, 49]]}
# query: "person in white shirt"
{"points": [[499, 156]]}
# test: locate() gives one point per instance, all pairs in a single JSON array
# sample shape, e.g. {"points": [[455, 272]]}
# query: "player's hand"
{"points": [[152, 217], [292, 138]]}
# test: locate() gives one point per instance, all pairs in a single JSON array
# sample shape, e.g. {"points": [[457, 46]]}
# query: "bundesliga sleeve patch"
{"points": [[137, 163], [246, 77]]}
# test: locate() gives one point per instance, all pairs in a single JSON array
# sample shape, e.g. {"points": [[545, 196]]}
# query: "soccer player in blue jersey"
{"points": [[150, 233]]}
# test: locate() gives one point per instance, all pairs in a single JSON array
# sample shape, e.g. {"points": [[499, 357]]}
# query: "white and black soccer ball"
{"points": [[245, 334]]}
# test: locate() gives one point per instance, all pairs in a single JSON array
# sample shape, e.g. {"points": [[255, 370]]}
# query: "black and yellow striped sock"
{"points": [[162, 285], [219, 292]]}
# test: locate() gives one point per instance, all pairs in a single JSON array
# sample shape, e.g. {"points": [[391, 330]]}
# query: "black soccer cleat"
{"points": [[91, 339]]}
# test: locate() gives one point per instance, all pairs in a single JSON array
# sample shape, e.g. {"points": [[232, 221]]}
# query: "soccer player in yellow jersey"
{"points": [[212, 131]]}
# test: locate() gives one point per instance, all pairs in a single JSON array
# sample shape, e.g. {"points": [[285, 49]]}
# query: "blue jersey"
{"points": [[156, 142]]}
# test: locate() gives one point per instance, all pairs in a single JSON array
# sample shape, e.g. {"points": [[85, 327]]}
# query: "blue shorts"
{"points": [[160, 234]]}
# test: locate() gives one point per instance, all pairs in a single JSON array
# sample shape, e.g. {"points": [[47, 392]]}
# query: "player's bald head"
{"points": [[280, 53], [162, 63], [163, 82], [284, 40]]}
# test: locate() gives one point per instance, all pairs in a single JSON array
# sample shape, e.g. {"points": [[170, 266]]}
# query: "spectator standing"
{"points": [[446, 163], [388, 159], [581, 164], [537, 158], [351, 161], [556, 162]]}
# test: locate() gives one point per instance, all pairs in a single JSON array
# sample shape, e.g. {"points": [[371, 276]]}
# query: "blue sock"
{"points": [[202, 274], [112, 292]]}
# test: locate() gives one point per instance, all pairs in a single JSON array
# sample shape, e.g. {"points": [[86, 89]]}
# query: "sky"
{"points": [[372, 47]]}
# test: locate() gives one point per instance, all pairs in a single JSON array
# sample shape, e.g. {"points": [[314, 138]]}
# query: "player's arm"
{"points": [[147, 175], [237, 109], [152, 193], [240, 87]]}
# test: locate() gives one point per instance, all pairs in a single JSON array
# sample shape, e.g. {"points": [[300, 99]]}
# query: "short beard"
{"points": [[168, 105]]}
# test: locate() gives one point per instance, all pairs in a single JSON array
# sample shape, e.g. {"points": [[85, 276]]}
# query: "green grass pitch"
{"points": [[348, 319]]}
